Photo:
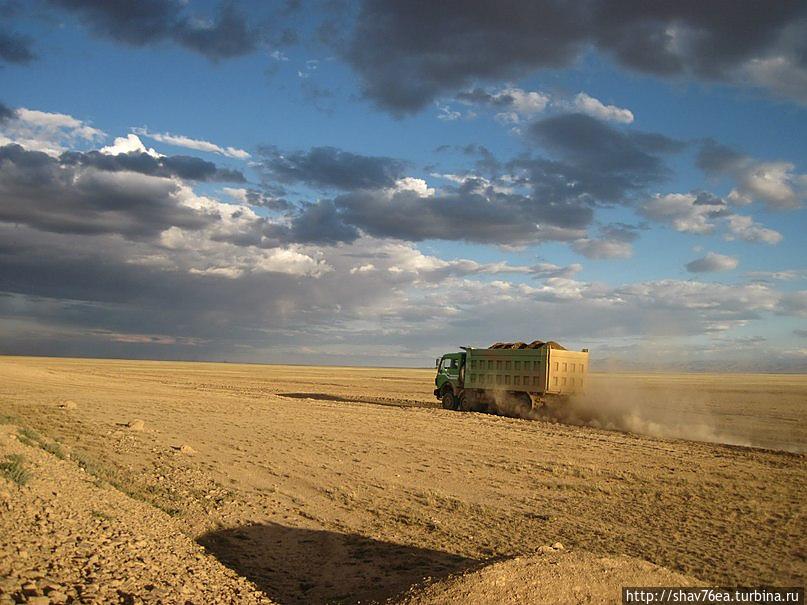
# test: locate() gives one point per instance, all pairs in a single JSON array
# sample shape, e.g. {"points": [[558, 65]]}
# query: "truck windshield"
{"points": [[449, 364]]}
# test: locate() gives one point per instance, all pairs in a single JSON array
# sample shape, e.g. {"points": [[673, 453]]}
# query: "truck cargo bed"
{"points": [[542, 371]]}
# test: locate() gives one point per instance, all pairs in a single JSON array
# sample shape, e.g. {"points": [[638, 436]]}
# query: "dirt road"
{"points": [[344, 484]]}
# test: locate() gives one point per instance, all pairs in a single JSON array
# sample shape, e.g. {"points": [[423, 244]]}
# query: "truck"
{"points": [[512, 379]]}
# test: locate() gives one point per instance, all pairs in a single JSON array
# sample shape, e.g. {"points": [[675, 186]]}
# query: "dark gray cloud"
{"points": [[6, 113], [593, 145], [714, 158], [433, 48], [229, 36], [15, 48], [464, 215], [151, 21], [182, 166], [527, 200], [328, 167], [271, 200], [322, 223], [48, 194], [594, 162]]}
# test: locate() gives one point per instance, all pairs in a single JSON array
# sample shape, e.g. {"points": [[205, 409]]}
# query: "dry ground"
{"points": [[345, 484]]}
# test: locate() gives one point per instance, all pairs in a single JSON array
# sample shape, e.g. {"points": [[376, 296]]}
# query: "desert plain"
{"points": [[175, 482]]}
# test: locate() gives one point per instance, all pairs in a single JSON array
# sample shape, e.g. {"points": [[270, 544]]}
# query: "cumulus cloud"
{"points": [[602, 248], [744, 228], [794, 303], [712, 262], [131, 143], [64, 197], [587, 104], [701, 213], [686, 212], [774, 183], [46, 131], [513, 104], [196, 144], [431, 50]]}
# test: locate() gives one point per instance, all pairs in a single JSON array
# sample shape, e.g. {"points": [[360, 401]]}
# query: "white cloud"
{"points": [[196, 144], [363, 269], [680, 211], [47, 132], [780, 74], [446, 114], [685, 212], [786, 275], [712, 262], [408, 183], [744, 228], [545, 270], [602, 248], [239, 194], [772, 182], [516, 104], [131, 143], [775, 183], [596, 108], [523, 102], [794, 303]]}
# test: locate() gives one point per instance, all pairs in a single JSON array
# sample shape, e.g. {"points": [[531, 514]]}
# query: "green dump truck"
{"points": [[510, 378]]}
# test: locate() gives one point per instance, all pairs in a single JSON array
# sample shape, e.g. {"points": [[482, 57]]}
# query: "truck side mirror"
{"points": [[437, 363]]}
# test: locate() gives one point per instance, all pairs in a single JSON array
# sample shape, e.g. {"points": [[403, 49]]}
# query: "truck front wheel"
{"points": [[449, 401]]}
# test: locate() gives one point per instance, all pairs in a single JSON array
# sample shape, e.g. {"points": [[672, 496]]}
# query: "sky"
{"points": [[380, 182]]}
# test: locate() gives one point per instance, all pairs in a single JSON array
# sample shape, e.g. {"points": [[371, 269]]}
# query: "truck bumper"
{"points": [[437, 393]]}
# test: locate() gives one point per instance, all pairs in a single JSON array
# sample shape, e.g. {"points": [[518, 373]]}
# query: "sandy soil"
{"points": [[347, 485]]}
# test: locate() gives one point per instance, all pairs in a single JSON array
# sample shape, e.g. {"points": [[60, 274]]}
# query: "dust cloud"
{"points": [[672, 414]]}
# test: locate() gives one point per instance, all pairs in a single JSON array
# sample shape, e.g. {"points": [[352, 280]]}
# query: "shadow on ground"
{"points": [[390, 401], [310, 566]]}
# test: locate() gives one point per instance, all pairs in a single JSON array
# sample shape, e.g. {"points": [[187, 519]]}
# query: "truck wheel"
{"points": [[449, 401], [524, 405]]}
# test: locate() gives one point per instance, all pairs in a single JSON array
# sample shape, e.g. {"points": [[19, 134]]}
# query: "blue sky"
{"points": [[365, 191]]}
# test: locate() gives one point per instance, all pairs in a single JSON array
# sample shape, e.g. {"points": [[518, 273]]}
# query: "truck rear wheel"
{"points": [[449, 401], [523, 405]]}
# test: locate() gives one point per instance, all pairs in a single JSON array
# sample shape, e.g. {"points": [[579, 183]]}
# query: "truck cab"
{"points": [[450, 378]]}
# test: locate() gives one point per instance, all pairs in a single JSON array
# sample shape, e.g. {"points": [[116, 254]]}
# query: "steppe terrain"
{"points": [[130, 481]]}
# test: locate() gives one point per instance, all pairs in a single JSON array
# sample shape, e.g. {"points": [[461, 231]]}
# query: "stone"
{"points": [[29, 589], [136, 425], [57, 597], [557, 546]]}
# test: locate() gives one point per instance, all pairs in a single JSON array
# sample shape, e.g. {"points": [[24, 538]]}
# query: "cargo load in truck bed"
{"points": [[546, 369]]}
